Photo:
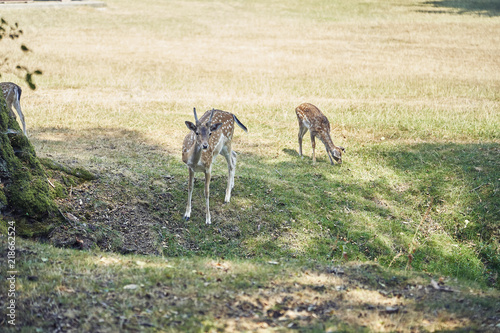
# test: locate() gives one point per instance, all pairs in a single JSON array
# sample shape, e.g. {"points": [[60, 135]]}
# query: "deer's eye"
{"points": [[197, 133], [209, 133]]}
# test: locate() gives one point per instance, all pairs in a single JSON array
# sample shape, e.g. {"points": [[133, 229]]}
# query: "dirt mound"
{"points": [[108, 217]]}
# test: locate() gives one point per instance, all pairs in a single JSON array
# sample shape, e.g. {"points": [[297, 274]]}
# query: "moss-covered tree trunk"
{"points": [[24, 190]]}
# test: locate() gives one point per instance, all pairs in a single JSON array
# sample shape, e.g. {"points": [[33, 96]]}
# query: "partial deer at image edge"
{"points": [[12, 94]]}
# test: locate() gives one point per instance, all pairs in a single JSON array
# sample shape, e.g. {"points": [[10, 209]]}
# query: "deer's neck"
{"points": [[194, 155], [326, 139]]}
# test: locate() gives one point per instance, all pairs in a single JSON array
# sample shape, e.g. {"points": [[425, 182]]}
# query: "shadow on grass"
{"points": [[113, 211], [289, 208], [435, 207], [438, 203], [478, 7], [280, 209], [92, 291], [462, 183]]}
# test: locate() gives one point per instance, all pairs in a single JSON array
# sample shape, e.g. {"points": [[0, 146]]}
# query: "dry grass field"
{"points": [[412, 90], [376, 68]]}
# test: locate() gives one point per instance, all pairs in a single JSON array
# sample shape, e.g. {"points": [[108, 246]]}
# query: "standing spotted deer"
{"points": [[210, 136], [12, 94], [312, 119]]}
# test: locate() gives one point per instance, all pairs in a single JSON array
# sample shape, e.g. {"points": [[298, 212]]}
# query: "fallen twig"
{"points": [[476, 188]]}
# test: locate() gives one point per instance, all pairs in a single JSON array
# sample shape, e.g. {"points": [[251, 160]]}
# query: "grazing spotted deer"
{"points": [[12, 94], [209, 137], [312, 119]]}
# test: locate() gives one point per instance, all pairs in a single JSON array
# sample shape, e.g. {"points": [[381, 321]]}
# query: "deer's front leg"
{"points": [[187, 215], [208, 175], [329, 153]]}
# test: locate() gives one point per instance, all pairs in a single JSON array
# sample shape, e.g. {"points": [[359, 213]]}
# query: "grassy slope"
{"points": [[89, 292], [410, 89]]}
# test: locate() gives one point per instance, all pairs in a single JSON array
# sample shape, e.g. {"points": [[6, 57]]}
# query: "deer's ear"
{"points": [[191, 126], [215, 127]]}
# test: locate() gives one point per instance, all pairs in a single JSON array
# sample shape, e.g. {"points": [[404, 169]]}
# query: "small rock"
{"points": [[392, 309], [131, 286]]}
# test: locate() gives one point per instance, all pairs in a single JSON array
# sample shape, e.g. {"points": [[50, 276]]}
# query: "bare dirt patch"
{"points": [[107, 217]]}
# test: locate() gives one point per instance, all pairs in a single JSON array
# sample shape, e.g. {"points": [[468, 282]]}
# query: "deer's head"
{"points": [[203, 131], [336, 153]]}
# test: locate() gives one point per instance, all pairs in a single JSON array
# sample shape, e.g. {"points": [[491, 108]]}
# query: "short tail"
{"points": [[240, 124]]}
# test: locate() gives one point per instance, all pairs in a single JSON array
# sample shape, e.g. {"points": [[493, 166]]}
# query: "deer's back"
{"points": [[227, 128], [311, 117]]}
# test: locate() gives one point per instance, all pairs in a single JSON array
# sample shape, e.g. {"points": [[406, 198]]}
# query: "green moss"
{"points": [[65, 175], [3, 226], [4, 116], [84, 174], [77, 172], [59, 191], [3, 199], [69, 181], [31, 195], [26, 227]]}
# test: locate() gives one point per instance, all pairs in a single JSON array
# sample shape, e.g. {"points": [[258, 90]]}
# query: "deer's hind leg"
{"points": [[230, 156], [302, 131]]}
